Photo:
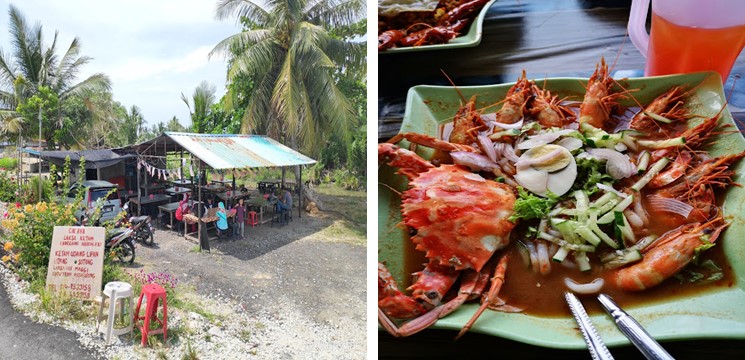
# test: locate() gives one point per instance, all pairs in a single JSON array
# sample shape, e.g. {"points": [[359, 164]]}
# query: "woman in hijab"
{"points": [[222, 219]]}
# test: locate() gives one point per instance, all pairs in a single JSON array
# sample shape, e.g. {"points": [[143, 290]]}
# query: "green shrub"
{"points": [[8, 187], [8, 163], [30, 229], [30, 190], [357, 153]]}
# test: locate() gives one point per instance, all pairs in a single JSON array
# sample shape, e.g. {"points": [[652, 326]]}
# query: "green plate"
{"points": [[715, 314], [470, 39]]}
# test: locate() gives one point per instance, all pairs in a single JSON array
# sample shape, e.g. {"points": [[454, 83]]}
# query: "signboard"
{"points": [[76, 261]]}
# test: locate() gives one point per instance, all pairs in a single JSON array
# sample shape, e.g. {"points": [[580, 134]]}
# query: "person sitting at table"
{"points": [[222, 220], [208, 205], [240, 218], [183, 209], [285, 203]]}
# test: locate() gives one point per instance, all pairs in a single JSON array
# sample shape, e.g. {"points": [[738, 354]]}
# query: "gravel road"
{"points": [[304, 278]]}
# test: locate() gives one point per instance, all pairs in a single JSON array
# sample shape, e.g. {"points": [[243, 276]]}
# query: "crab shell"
{"points": [[460, 218]]}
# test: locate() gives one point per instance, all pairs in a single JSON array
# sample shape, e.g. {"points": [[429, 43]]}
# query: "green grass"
{"points": [[351, 207], [191, 353]]}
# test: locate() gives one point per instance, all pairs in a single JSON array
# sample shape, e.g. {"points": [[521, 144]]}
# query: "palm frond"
{"points": [[241, 8], [333, 13], [26, 43], [349, 55], [258, 59], [95, 82], [7, 70], [228, 46], [256, 117], [286, 96]]}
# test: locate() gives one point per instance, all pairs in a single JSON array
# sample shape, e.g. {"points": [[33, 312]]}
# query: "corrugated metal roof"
{"points": [[234, 151]]}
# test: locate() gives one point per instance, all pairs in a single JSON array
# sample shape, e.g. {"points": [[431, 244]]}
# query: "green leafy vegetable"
{"points": [[590, 172], [701, 248], [529, 206], [706, 272]]}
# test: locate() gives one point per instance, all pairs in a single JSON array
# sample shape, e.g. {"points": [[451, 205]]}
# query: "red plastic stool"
{"points": [[252, 220], [153, 293]]}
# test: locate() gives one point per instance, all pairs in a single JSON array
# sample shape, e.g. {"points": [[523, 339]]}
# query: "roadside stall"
{"points": [[184, 158]]}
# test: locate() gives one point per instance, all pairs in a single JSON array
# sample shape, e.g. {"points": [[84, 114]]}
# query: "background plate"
{"points": [[472, 38], [716, 314]]}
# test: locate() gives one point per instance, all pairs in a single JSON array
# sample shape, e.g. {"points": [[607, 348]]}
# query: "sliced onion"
{"points": [[543, 260], [592, 287], [617, 165], [489, 117], [542, 139], [607, 187], [670, 205], [474, 177], [516, 125], [533, 252], [499, 149], [475, 162], [634, 220], [509, 153], [639, 210], [487, 146]]}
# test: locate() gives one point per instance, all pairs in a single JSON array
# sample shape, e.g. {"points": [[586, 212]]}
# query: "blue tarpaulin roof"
{"points": [[228, 151]]}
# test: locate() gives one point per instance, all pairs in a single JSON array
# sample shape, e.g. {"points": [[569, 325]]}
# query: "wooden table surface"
{"points": [[547, 39]]}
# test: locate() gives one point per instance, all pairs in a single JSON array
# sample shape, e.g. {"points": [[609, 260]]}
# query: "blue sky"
{"points": [[152, 50]]}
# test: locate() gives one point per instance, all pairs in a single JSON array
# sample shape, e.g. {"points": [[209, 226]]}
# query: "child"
{"points": [[240, 218]]}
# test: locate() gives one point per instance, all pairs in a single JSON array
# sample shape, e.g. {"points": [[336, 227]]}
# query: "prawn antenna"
{"points": [[455, 87]]}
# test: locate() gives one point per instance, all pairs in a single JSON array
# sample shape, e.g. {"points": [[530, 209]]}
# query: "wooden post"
{"points": [[300, 195], [139, 194]]}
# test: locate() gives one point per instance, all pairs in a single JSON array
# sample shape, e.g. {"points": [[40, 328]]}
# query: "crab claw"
{"points": [[408, 163]]}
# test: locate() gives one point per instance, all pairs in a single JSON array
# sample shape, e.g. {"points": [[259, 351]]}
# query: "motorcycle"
{"points": [[141, 226], [119, 240]]}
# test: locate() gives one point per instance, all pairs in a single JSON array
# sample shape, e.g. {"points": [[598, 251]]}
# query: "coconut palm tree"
{"points": [[291, 58], [203, 98], [133, 125], [33, 64]]}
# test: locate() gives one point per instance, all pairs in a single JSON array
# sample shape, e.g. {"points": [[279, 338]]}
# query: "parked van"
{"points": [[95, 190]]}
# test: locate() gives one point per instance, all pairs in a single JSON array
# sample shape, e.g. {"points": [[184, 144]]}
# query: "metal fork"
{"points": [[595, 344]]}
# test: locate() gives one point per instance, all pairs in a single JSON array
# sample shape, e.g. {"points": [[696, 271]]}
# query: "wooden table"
{"points": [[213, 188], [149, 188], [181, 182], [260, 203], [177, 191], [150, 200], [547, 39], [170, 208], [234, 195]]}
